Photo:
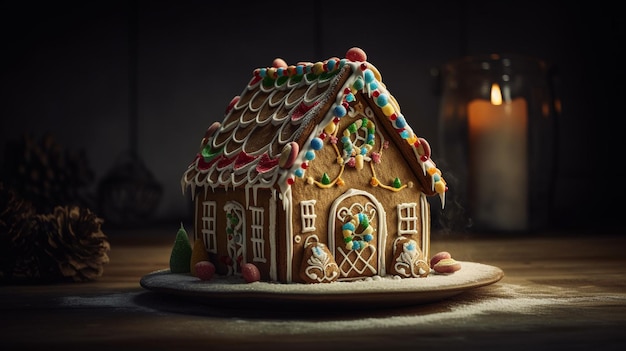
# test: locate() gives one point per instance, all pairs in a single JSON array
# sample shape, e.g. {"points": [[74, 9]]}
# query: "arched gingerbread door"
{"points": [[357, 234]]}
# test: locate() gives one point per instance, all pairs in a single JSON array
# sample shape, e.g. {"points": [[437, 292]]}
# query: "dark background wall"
{"points": [[68, 70]]}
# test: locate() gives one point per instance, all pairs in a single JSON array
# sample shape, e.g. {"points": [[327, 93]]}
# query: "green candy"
{"points": [[397, 183], [180, 257], [325, 179]]}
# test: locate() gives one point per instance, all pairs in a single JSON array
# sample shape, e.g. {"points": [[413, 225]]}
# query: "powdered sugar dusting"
{"points": [[511, 301], [510, 306], [471, 275], [502, 299]]}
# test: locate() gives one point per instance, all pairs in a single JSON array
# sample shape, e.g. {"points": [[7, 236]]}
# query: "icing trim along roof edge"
{"points": [[282, 107]]}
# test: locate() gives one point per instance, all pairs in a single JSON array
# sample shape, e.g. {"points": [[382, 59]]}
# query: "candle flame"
{"points": [[496, 94]]}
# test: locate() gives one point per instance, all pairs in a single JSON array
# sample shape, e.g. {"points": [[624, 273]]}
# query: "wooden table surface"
{"points": [[559, 292]]}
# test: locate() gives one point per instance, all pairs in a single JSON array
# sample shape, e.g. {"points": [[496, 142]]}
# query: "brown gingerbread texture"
{"points": [[314, 175]]}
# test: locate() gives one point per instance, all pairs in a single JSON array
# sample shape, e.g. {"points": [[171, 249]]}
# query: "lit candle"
{"points": [[498, 161]]}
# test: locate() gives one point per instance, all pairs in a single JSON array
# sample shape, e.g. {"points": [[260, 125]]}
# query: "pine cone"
{"points": [[66, 245], [15, 213], [13, 209], [31, 263]]}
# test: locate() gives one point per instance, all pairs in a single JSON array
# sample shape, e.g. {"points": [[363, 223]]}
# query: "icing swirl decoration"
{"points": [[361, 240]]}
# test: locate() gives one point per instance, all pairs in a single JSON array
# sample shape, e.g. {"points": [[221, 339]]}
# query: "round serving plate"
{"points": [[382, 291]]}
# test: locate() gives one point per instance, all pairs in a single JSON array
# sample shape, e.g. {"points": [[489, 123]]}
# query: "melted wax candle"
{"points": [[498, 136]]}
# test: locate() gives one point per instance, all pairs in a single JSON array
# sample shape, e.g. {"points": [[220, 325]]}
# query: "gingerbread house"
{"points": [[314, 175]]}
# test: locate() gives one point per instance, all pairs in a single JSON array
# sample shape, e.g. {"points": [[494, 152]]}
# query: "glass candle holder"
{"points": [[497, 139]]}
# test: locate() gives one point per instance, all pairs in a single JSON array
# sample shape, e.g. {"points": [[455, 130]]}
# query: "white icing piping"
{"points": [[287, 206], [197, 227], [282, 181], [356, 72], [234, 248], [272, 233], [425, 212], [256, 109], [382, 225], [226, 177]]}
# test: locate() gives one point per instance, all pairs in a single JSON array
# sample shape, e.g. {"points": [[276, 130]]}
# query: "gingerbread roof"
{"points": [[270, 130]]}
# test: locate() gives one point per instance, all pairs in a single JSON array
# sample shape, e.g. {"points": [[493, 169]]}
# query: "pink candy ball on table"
{"points": [[356, 55], [438, 257], [447, 266], [205, 270], [443, 263], [250, 273]]}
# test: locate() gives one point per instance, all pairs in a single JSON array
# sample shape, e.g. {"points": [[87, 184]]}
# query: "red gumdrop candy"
{"points": [[205, 270], [356, 54], [250, 273]]}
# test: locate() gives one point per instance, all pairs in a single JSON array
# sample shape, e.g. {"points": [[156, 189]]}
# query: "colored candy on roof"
{"points": [[229, 156]]}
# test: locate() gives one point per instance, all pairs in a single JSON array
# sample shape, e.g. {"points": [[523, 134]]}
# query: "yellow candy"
{"points": [[440, 187], [394, 102], [433, 170], [359, 161], [388, 110], [318, 68], [330, 128], [271, 72]]}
